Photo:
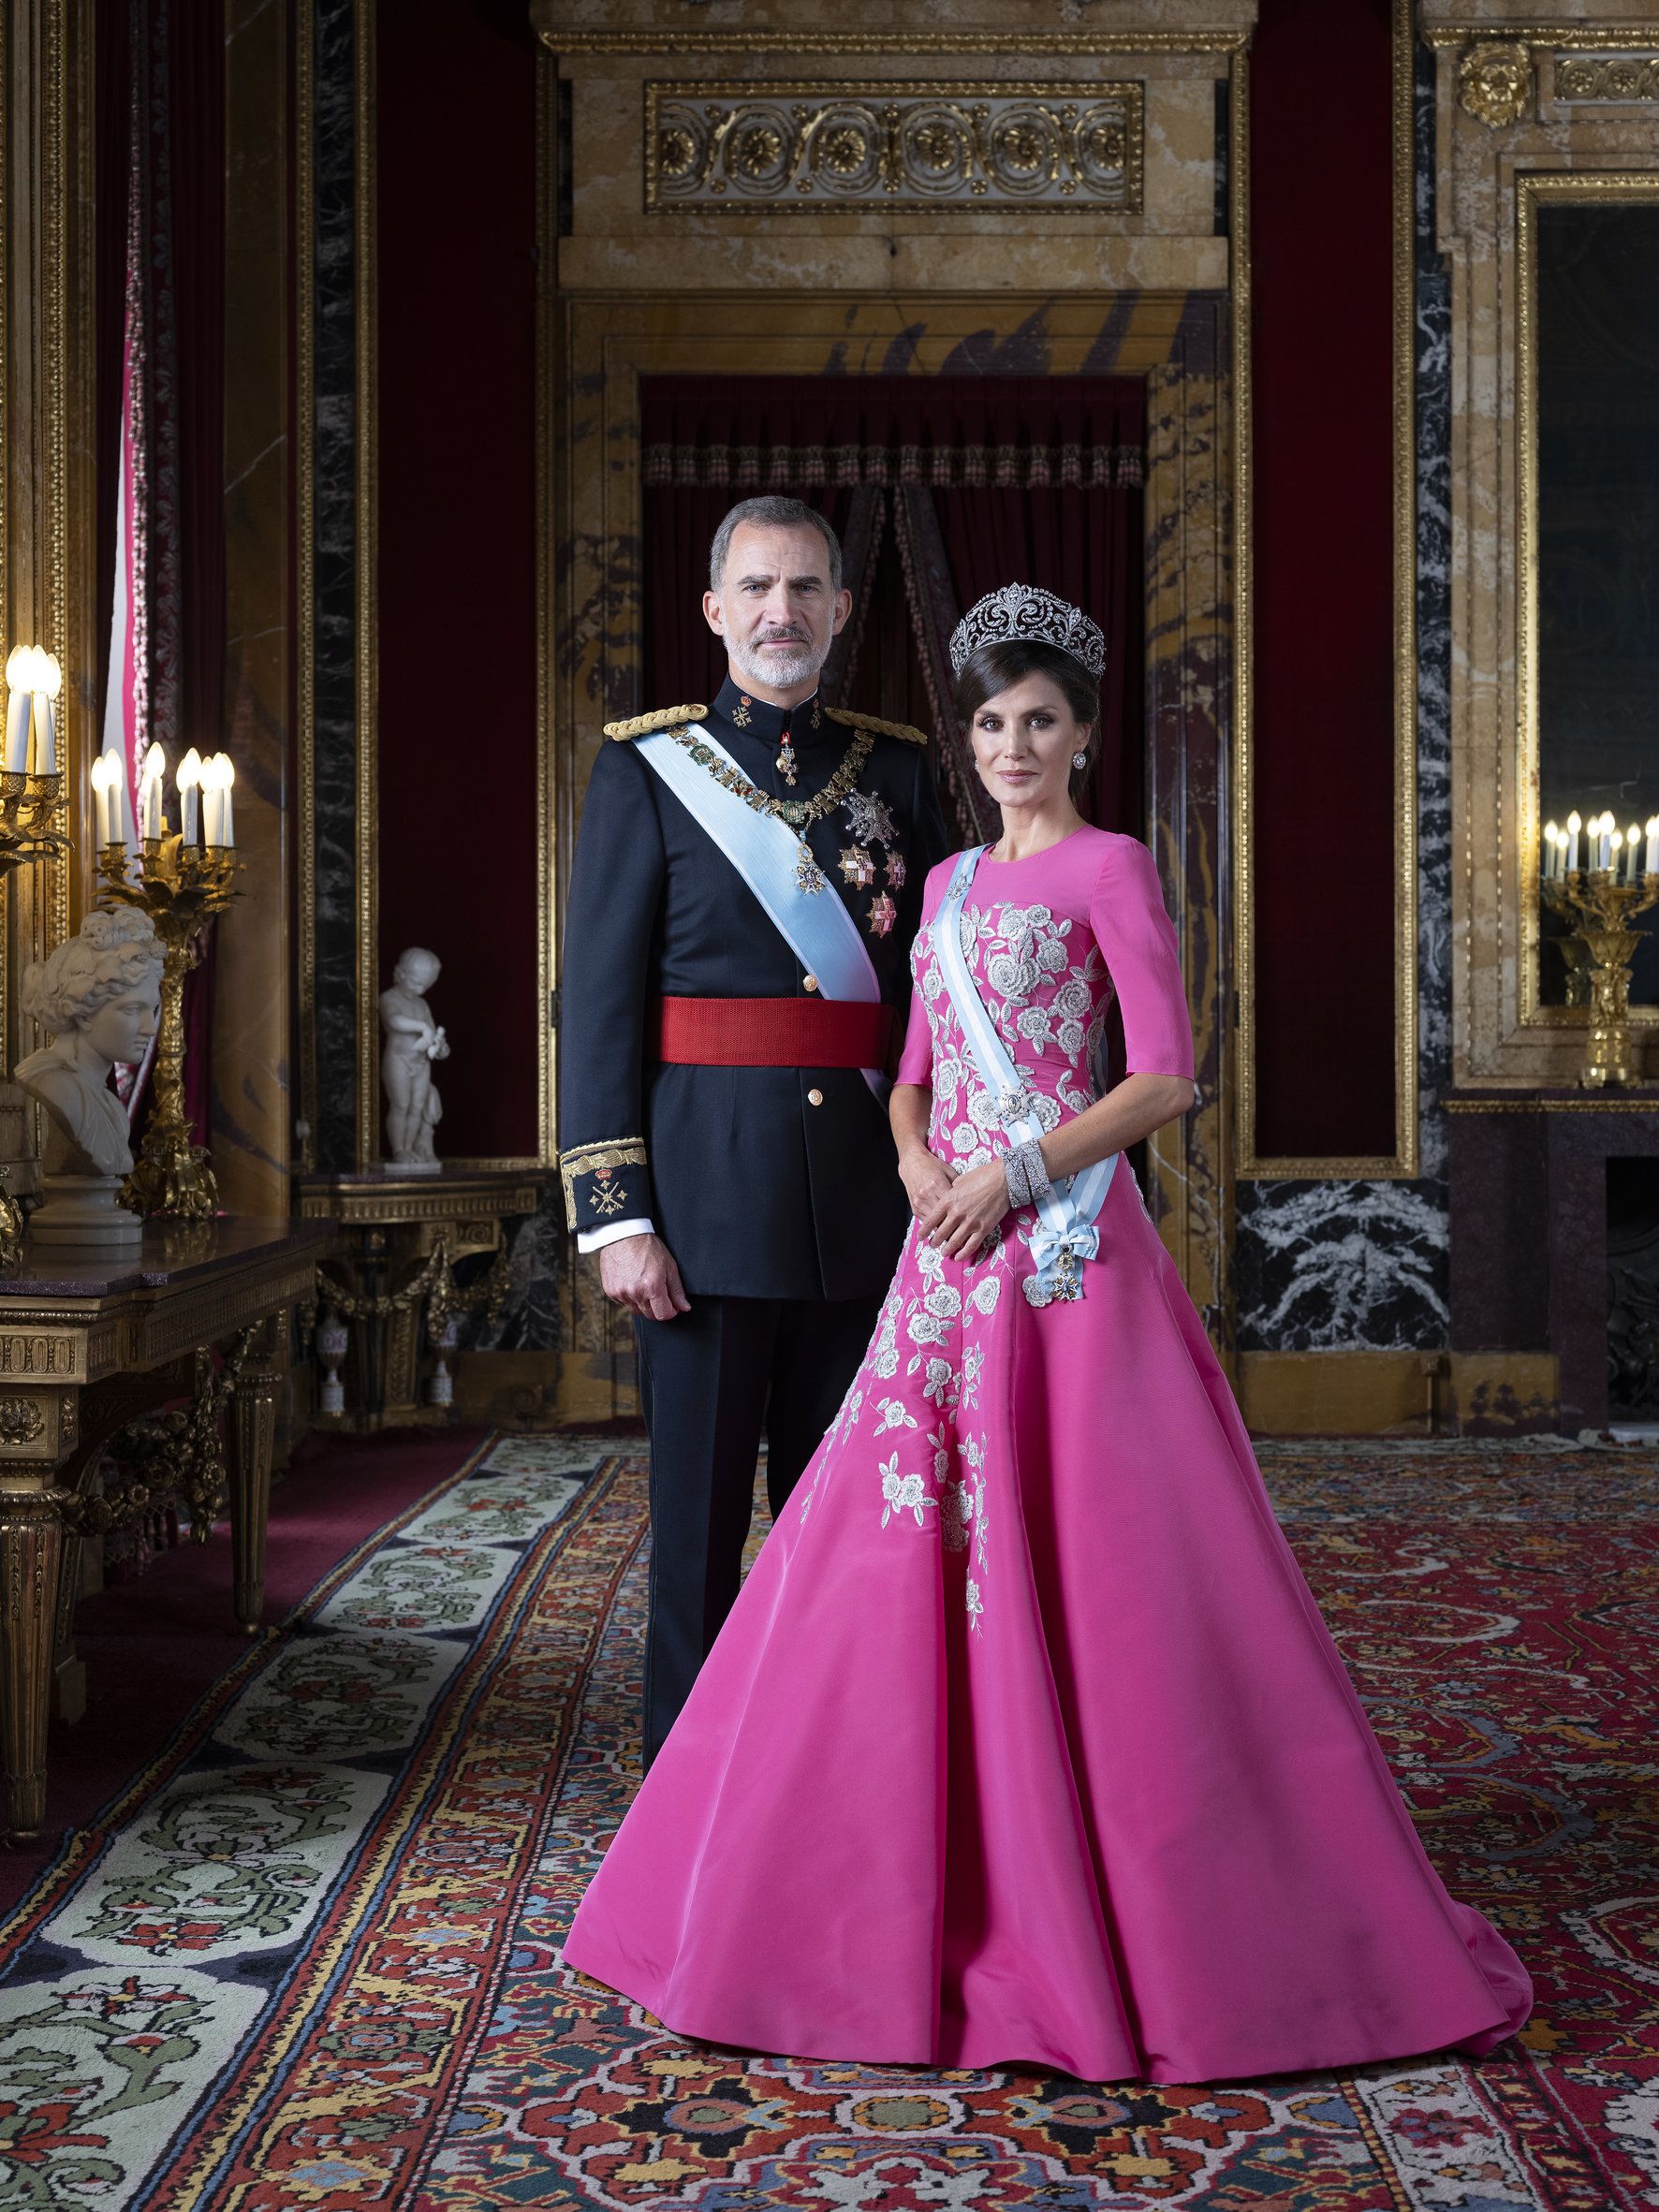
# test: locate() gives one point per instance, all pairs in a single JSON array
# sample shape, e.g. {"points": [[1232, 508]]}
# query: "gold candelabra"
{"points": [[38, 838], [1600, 909], [180, 886]]}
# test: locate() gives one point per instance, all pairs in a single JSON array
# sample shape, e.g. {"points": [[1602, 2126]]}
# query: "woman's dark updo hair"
{"points": [[999, 665]]}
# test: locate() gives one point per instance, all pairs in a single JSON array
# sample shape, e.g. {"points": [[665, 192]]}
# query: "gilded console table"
{"points": [[392, 1225], [87, 1343]]}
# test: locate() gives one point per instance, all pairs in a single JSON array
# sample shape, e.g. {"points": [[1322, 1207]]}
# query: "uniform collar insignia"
{"points": [[764, 721]]}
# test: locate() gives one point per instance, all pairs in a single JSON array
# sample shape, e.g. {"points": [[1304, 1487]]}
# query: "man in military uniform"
{"points": [[736, 979]]}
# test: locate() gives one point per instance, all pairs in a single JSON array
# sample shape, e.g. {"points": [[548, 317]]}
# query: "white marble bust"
{"points": [[413, 1042], [100, 993]]}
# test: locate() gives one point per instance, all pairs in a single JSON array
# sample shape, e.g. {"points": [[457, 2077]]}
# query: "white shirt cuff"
{"points": [[591, 1240]]}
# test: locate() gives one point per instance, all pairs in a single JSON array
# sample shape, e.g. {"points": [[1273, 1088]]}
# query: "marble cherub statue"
{"points": [[413, 1042], [100, 993]]}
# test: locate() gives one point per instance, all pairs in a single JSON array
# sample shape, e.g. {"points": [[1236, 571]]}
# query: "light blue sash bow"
{"points": [[768, 855], [1065, 1235]]}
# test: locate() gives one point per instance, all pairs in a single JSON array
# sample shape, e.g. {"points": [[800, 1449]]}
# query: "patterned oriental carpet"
{"points": [[311, 1958]]}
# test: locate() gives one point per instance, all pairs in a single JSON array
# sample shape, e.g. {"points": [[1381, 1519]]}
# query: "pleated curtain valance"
{"points": [[946, 468], [945, 433]]}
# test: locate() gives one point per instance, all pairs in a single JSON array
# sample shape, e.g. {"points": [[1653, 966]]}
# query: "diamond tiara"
{"points": [[1027, 612]]}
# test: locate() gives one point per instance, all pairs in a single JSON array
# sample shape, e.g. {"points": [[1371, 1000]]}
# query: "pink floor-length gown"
{"points": [[1025, 1740]]}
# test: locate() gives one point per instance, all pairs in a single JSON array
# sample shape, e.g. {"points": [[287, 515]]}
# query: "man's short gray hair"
{"points": [[772, 511]]}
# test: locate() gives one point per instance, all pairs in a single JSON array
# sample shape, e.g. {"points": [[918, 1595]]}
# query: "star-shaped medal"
{"points": [[883, 914], [808, 876], [857, 865], [896, 871], [868, 819]]}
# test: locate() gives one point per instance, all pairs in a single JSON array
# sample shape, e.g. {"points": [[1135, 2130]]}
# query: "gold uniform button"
{"points": [[810, 982], [814, 1098]]}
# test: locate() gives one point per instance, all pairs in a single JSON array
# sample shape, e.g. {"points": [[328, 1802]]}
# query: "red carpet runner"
{"points": [[318, 1963]]}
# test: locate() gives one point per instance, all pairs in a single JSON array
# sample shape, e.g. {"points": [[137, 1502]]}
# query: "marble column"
{"points": [[252, 1109], [333, 1007]]}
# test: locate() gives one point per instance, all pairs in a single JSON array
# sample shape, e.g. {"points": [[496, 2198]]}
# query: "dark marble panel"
{"points": [[536, 1257], [1363, 1265], [334, 477]]}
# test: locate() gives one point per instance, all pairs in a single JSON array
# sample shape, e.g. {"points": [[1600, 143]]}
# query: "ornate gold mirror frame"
{"points": [[1534, 191], [1525, 110]]}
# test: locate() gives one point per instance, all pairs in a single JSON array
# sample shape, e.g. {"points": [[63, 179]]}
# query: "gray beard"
{"points": [[782, 670]]}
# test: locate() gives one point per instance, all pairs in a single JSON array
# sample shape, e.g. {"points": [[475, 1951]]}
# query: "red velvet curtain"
{"points": [[160, 131], [992, 480], [456, 396], [1323, 399]]}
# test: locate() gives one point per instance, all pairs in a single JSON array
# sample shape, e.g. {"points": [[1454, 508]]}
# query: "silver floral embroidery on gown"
{"points": [[919, 1385]]}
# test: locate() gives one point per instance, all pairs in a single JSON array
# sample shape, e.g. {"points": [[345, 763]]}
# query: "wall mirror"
{"points": [[1588, 408]]}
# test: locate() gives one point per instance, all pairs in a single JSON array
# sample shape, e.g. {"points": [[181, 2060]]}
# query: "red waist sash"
{"points": [[770, 1033]]}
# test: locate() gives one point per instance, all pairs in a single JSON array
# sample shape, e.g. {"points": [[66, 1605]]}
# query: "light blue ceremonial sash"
{"points": [[766, 853], [1065, 1235]]}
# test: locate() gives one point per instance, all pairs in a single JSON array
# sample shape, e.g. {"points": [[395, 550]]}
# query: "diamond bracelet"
{"points": [[1028, 1179]]}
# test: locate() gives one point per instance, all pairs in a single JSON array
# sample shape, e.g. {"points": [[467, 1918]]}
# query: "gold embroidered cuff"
{"points": [[608, 1194]]}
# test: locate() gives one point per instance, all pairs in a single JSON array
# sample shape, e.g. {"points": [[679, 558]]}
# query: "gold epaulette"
{"points": [[641, 725], [882, 730]]}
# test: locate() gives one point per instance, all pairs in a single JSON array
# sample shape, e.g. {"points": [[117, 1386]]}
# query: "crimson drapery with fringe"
{"points": [[982, 481]]}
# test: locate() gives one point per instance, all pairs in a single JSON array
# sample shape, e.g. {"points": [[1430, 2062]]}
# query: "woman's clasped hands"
{"points": [[957, 1212]]}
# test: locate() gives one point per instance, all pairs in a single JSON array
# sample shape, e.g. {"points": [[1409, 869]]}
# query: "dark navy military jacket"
{"points": [[762, 1181]]}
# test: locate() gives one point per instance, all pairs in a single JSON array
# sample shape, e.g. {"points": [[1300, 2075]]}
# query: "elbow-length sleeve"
{"points": [[1132, 929], [915, 1060]]}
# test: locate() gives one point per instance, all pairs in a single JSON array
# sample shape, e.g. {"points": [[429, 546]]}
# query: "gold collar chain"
{"points": [[797, 812]]}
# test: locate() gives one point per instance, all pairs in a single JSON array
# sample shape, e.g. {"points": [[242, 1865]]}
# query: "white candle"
{"points": [[1651, 858], [189, 780], [1575, 823], [48, 682], [1604, 842], [227, 778], [101, 799], [212, 800], [1632, 865], [1552, 852], [120, 801], [150, 791], [20, 671]]}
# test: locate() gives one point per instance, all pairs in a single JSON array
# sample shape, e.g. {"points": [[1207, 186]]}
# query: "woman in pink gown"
{"points": [[1025, 1740]]}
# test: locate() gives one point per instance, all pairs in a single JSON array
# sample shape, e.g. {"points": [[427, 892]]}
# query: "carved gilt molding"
{"points": [[872, 147], [574, 38], [1496, 83], [1607, 76]]}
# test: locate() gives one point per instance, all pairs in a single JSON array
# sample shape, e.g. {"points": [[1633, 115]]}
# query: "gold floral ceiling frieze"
{"points": [[1607, 76], [872, 147]]}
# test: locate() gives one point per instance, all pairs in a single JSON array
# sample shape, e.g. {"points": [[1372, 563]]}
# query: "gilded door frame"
{"points": [[598, 345]]}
